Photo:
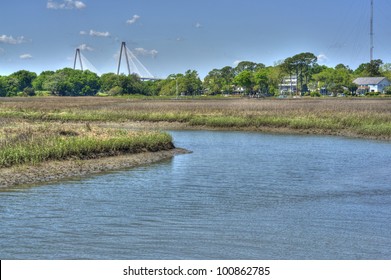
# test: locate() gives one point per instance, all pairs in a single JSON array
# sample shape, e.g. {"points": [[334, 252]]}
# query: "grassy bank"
{"points": [[370, 118], [27, 143]]}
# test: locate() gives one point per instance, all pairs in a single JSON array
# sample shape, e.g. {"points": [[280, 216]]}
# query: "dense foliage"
{"points": [[246, 78]]}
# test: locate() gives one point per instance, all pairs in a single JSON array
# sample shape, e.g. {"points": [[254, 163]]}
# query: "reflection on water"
{"points": [[237, 196]]}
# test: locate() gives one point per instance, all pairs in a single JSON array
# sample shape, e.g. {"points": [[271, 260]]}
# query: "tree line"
{"points": [[246, 78]]}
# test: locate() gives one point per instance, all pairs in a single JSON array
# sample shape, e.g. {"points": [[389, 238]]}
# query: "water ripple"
{"points": [[237, 196]]}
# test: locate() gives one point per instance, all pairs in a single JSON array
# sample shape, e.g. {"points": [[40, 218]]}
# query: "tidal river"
{"points": [[237, 196]]}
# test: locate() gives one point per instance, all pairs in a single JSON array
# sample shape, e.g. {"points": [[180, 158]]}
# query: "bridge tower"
{"points": [[78, 54], [123, 50]]}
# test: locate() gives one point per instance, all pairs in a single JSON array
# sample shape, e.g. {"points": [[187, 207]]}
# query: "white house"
{"points": [[375, 84], [288, 85]]}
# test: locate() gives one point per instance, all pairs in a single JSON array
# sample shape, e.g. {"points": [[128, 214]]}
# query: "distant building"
{"points": [[288, 85], [368, 84]]}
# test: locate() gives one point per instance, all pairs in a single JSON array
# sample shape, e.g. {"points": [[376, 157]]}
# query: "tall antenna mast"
{"points": [[78, 54], [123, 49], [371, 33]]}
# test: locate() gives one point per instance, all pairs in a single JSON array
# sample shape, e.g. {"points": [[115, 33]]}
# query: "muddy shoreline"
{"points": [[60, 170], [164, 125]]}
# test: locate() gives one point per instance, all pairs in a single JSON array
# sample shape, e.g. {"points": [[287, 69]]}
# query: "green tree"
{"points": [[109, 81], [70, 82], [38, 83], [191, 83], [171, 86], [374, 68], [25, 79], [387, 90], [324, 79], [150, 88], [215, 82], [276, 74], [248, 66], [12, 85], [245, 80], [335, 80], [385, 70], [3, 87], [301, 65], [131, 84], [167, 87], [371, 69], [28, 91], [261, 80], [343, 67]]}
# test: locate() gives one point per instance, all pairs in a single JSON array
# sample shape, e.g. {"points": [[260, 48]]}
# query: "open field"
{"points": [[366, 118]]}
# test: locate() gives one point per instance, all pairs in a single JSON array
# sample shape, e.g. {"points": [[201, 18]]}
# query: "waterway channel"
{"points": [[239, 195]]}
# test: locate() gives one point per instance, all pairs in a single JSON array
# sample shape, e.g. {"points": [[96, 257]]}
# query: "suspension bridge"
{"points": [[133, 64]]}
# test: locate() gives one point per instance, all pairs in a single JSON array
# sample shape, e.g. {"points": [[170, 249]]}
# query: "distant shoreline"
{"points": [[261, 129], [360, 118]]}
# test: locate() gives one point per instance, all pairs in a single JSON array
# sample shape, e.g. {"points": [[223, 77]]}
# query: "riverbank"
{"points": [[52, 171], [140, 125], [33, 152]]}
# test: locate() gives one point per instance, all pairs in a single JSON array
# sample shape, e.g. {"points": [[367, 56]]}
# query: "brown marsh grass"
{"points": [[360, 117], [24, 142]]}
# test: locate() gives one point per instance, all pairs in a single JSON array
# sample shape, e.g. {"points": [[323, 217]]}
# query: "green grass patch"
{"points": [[32, 146]]}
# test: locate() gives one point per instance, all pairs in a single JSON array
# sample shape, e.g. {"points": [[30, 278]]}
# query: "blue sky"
{"points": [[173, 36]]}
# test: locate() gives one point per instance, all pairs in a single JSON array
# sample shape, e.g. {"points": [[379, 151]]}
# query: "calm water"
{"points": [[238, 196]]}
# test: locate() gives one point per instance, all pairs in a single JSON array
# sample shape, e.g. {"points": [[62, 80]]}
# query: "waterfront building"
{"points": [[288, 85], [371, 84]]}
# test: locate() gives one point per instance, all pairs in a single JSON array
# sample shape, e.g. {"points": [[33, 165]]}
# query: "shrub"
{"points": [[372, 93], [117, 90], [387, 90], [315, 94], [28, 91]]}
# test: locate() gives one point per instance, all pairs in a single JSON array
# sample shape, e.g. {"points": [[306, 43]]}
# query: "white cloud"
{"points": [[80, 5], [144, 52], [66, 5], [26, 56], [94, 33], [11, 40], [198, 25], [133, 19], [85, 47], [322, 58], [98, 33]]}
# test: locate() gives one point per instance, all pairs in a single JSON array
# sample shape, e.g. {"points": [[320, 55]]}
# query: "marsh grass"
{"points": [[359, 117], [26, 143]]}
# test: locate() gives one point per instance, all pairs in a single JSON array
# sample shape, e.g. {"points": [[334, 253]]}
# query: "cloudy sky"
{"points": [[172, 36]]}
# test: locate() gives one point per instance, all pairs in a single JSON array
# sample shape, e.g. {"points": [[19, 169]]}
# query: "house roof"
{"points": [[369, 80]]}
